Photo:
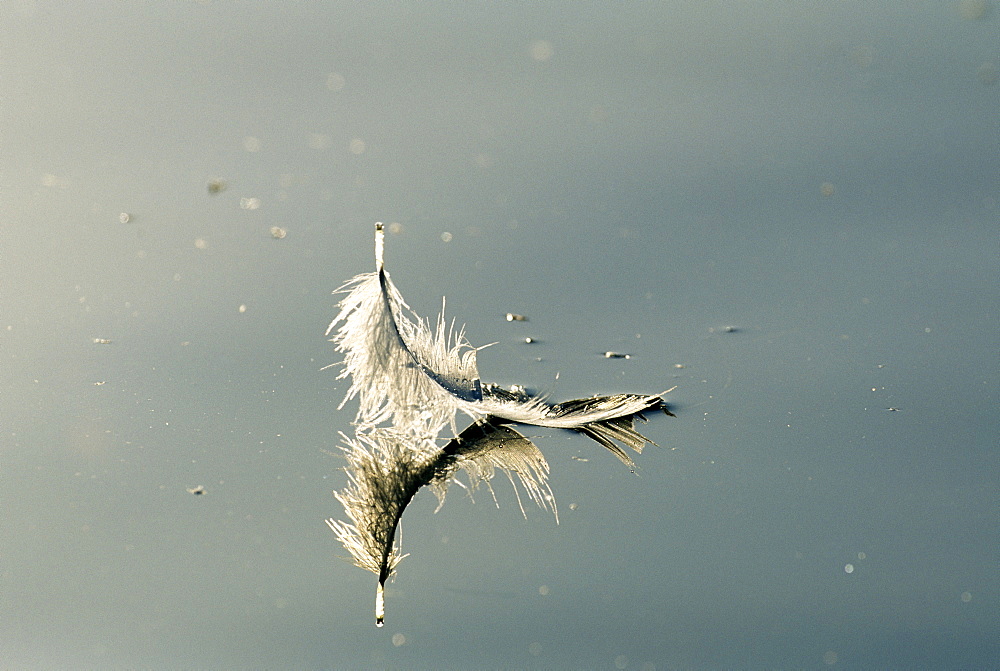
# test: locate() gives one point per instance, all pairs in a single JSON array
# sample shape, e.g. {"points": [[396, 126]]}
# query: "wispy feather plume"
{"points": [[403, 372], [387, 466], [411, 381], [400, 370], [602, 418]]}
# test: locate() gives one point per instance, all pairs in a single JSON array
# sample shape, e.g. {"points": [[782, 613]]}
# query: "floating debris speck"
{"points": [[124, 217], [278, 233], [216, 186], [541, 50], [335, 81], [617, 355], [102, 341], [988, 73], [973, 10], [197, 491], [511, 317]]}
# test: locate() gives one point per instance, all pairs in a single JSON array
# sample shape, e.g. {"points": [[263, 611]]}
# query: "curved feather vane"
{"points": [[386, 468], [399, 369], [602, 418], [411, 381], [403, 372], [488, 445]]}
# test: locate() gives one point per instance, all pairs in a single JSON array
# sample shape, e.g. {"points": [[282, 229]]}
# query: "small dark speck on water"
{"points": [[197, 491], [616, 355]]}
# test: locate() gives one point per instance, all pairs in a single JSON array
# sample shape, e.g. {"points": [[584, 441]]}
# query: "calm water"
{"points": [[819, 178]]}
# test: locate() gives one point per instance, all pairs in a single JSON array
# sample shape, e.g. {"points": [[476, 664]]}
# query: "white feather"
{"points": [[404, 372], [411, 382]]}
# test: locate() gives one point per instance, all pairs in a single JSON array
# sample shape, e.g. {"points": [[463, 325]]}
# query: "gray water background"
{"points": [[822, 178]]}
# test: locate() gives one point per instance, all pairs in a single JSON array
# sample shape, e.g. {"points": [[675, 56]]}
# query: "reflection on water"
{"points": [[636, 179], [411, 383]]}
